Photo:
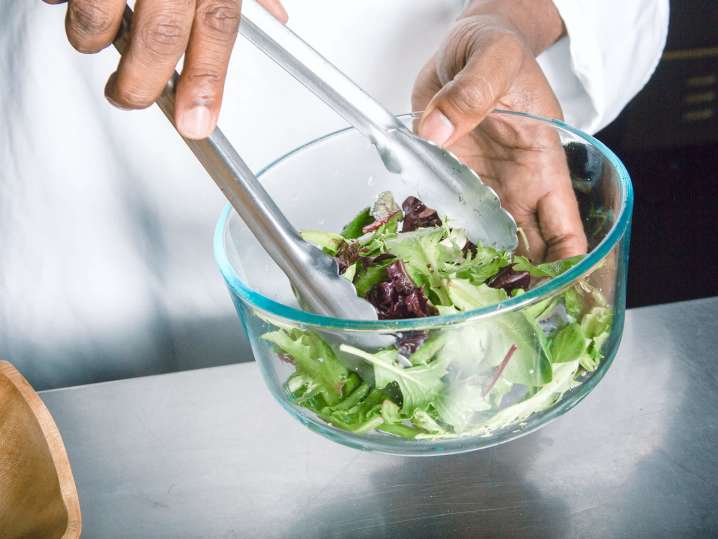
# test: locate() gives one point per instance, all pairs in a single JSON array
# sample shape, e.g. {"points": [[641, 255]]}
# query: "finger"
{"points": [[560, 223], [466, 99], [531, 241], [425, 87], [53, 2], [91, 25], [200, 88], [158, 37], [276, 8]]}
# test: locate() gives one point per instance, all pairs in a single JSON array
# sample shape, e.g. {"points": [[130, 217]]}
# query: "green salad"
{"points": [[468, 379]]}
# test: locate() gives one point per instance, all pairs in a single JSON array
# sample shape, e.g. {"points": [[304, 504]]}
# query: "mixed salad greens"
{"points": [[467, 379]]}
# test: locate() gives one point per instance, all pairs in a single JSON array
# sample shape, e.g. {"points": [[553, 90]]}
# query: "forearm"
{"points": [[538, 20]]}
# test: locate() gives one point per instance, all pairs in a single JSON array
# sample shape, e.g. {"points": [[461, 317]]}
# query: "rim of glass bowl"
{"points": [[292, 314]]}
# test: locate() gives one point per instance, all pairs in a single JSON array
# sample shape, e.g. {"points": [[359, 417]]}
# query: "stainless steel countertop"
{"points": [[208, 453]]}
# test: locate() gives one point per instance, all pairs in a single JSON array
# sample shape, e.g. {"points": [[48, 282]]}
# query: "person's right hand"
{"points": [[162, 31]]}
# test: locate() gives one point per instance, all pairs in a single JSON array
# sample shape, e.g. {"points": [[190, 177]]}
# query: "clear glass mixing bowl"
{"points": [[322, 184]]}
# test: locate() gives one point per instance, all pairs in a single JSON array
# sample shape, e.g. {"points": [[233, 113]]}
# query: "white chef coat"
{"points": [[106, 219]]}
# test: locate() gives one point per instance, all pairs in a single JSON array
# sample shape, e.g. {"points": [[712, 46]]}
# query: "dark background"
{"points": [[668, 139]]}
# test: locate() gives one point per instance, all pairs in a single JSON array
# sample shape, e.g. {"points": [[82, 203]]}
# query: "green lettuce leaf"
{"points": [[480, 266], [460, 401], [466, 296], [354, 228], [423, 420], [428, 350], [390, 412], [329, 242], [545, 397], [568, 344], [350, 272], [418, 385], [367, 278], [489, 340], [375, 242], [596, 325], [548, 269], [422, 255], [359, 412], [313, 358], [573, 301], [597, 321]]}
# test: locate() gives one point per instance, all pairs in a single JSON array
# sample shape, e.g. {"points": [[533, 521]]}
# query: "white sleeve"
{"points": [[612, 48]]}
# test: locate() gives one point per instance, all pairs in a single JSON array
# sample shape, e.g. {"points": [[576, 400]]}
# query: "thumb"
{"points": [[464, 101], [276, 8]]}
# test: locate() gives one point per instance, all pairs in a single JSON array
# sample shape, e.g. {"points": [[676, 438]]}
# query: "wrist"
{"points": [[537, 20]]}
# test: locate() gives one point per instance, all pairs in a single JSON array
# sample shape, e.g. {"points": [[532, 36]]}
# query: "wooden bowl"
{"points": [[38, 497]]}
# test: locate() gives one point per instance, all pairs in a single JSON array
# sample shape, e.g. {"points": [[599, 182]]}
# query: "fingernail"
{"points": [[437, 128], [196, 123]]}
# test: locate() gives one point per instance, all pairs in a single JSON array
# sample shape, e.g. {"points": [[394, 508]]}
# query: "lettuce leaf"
{"points": [[491, 338], [422, 256], [596, 325], [329, 242], [314, 359], [367, 278], [423, 420], [561, 381], [353, 229], [466, 296], [418, 385], [457, 378], [375, 242], [568, 344], [548, 269], [460, 401]]}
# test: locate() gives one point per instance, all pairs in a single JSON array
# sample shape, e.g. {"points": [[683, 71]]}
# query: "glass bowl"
{"points": [[479, 398]]}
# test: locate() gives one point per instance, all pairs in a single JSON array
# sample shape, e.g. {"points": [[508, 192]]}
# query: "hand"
{"points": [[488, 61], [162, 31]]}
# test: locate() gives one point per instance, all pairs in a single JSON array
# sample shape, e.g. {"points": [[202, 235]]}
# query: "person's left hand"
{"points": [[487, 62]]}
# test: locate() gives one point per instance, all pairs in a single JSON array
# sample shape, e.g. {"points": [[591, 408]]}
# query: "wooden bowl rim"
{"points": [[55, 445]]}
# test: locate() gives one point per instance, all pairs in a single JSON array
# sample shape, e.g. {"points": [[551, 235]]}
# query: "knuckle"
{"points": [[163, 34], [89, 18], [87, 23], [462, 39], [206, 76], [220, 18], [132, 98], [470, 94], [570, 241], [203, 84]]}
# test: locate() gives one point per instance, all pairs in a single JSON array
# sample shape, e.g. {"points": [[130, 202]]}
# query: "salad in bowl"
{"points": [[487, 345]]}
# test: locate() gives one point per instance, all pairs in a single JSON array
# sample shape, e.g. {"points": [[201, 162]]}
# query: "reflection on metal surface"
{"points": [[626, 437], [208, 453]]}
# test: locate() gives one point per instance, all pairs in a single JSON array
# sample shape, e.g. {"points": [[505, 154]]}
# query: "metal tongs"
{"points": [[437, 177]]}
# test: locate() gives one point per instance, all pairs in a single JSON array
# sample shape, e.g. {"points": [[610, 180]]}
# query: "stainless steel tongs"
{"points": [[438, 178]]}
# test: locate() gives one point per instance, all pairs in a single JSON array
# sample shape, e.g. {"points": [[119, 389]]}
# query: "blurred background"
{"points": [[667, 137]]}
